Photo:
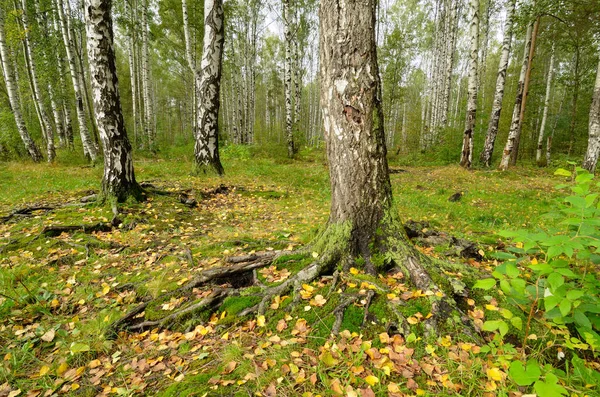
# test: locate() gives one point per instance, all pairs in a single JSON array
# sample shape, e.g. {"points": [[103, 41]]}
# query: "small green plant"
{"points": [[554, 271]]}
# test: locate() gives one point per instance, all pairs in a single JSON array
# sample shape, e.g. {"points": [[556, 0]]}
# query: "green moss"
{"points": [[334, 238], [235, 304], [353, 319]]}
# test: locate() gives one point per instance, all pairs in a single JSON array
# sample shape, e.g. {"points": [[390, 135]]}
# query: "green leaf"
{"points": [[565, 307], [485, 284], [511, 270], [562, 172], [503, 328], [550, 387], [517, 322], [78, 347], [491, 325], [575, 294], [581, 319], [524, 375], [328, 359], [555, 280]]}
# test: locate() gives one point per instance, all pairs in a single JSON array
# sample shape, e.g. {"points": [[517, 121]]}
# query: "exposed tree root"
{"points": [[239, 275], [26, 211], [335, 263], [57, 230]]}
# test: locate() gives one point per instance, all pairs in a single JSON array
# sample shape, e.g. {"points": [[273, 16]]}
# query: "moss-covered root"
{"points": [[444, 310], [310, 273], [239, 274]]}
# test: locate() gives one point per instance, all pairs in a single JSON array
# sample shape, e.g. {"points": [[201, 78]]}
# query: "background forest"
{"points": [[271, 51], [394, 263]]}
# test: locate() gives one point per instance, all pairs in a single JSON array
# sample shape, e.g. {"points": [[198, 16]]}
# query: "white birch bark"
{"points": [[467, 149], [207, 136], [89, 149], [540, 143], [119, 179], [148, 115], [287, 79], [516, 124], [593, 150], [492, 132], [37, 93], [13, 95]]}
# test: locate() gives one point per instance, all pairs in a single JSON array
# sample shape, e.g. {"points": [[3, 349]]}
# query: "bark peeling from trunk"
{"points": [[207, 135], [119, 178]]}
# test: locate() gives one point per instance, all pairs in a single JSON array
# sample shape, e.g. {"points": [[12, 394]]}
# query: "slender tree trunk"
{"points": [[450, 62], [35, 87], [492, 132], [119, 178], [13, 96], [515, 152], [540, 143], [467, 149], [207, 136], [551, 136], [148, 115], [576, 78], [287, 79], [89, 149], [516, 124], [67, 117], [593, 149]]}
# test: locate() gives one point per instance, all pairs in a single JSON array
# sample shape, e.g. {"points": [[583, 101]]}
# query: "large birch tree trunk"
{"points": [[540, 143], [466, 158], [593, 149], [207, 134], [89, 149], [515, 123], [13, 96], [119, 179], [492, 132]]}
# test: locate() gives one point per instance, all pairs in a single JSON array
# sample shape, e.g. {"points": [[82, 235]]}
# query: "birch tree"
{"points": [[13, 95], [492, 132], [287, 79], [148, 111], [516, 120], [40, 108], [118, 180], [89, 149], [593, 149], [207, 134], [540, 142], [466, 158]]}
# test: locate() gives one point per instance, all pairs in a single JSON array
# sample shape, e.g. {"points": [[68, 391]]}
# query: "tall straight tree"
{"points": [[466, 158], [119, 178], [287, 78], [540, 143], [207, 134], [516, 116], [593, 149], [89, 149], [534, 34], [13, 95], [492, 132], [40, 108]]}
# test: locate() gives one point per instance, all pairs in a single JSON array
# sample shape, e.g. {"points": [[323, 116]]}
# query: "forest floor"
{"points": [[62, 289]]}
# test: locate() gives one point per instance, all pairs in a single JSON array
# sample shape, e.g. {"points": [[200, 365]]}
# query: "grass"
{"points": [[60, 294]]}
